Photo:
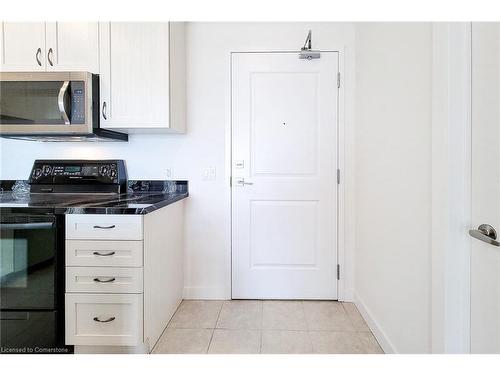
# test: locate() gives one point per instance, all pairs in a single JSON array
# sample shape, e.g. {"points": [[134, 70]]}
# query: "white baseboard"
{"points": [[375, 327], [193, 292]]}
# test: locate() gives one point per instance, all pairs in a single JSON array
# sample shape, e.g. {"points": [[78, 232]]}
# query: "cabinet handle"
{"points": [[49, 56], [110, 280], [104, 254], [104, 111], [37, 56], [104, 321], [99, 227]]}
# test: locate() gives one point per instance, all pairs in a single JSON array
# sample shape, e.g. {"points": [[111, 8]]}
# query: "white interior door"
{"points": [[485, 257], [284, 187]]}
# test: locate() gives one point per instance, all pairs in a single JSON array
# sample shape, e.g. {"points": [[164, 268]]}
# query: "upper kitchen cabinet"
{"points": [[22, 46], [142, 76], [50, 46], [72, 46]]}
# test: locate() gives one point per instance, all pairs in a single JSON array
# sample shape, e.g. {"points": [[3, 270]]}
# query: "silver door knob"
{"points": [[485, 233], [241, 181]]}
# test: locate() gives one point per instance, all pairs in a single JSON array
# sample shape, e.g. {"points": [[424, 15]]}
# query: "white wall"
{"points": [[393, 182], [205, 144]]}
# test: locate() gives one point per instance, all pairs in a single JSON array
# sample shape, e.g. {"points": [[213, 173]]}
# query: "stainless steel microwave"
{"points": [[52, 106]]}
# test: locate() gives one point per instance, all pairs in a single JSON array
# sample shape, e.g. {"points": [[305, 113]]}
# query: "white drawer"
{"points": [[103, 227], [104, 319], [104, 253], [103, 280]]}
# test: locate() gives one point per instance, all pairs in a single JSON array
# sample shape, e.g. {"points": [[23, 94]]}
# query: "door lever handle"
{"points": [[485, 233], [241, 181]]}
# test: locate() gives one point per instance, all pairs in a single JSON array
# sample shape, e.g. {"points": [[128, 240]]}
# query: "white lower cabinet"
{"points": [[104, 227], [123, 282], [104, 253], [104, 319], [103, 280]]}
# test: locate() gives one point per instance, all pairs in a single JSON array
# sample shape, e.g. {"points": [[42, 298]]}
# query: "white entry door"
{"points": [[485, 256], [284, 184]]}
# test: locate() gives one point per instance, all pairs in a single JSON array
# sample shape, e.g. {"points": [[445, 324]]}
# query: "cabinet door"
{"points": [[22, 46], [134, 64], [72, 46]]}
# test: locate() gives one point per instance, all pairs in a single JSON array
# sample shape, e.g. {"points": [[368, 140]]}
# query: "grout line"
{"points": [[260, 342], [216, 321], [305, 316], [262, 315], [210, 342], [164, 332], [261, 326], [218, 315]]}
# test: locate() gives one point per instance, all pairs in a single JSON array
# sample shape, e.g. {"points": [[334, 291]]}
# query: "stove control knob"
{"points": [[37, 173], [112, 173], [46, 170], [103, 170]]}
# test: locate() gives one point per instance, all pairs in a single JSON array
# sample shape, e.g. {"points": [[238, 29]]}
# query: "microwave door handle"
{"points": [[60, 102]]}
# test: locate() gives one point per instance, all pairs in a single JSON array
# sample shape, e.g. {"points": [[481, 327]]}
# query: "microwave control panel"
{"points": [[77, 102]]}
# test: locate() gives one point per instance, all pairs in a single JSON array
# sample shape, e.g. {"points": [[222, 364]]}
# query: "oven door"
{"points": [[29, 329], [45, 103], [27, 261]]}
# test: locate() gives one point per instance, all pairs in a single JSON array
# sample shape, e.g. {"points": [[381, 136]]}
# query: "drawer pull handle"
{"points": [[99, 227], [96, 319], [104, 254], [110, 280]]}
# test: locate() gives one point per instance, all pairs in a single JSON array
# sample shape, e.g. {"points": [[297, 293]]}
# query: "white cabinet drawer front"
{"points": [[104, 253], [104, 227], [103, 280], [104, 319]]}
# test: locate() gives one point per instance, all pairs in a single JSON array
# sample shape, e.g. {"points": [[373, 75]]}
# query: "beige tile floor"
{"points": [[267, 327]]}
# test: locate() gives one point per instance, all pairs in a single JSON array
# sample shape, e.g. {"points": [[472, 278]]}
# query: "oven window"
{"points": [[27, 263], [31, 102], [14, 262]]}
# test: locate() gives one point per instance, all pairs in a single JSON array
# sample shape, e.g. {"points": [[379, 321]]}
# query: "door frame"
{"points": [[451, 187], [344, 257]]}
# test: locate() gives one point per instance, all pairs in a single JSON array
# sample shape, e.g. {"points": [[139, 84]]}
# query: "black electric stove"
{"points": [[32, 281]]}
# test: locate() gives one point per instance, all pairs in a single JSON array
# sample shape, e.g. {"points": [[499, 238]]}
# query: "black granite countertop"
{"points": [[141, 198]]}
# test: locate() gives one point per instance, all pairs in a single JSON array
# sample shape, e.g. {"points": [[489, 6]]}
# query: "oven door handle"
{"points": [[60, 102], [16, 226]]}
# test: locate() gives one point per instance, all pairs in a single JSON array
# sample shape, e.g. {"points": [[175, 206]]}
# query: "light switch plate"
{"points": [[209, 174]]}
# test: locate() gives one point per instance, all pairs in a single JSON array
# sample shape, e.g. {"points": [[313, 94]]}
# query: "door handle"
{"points": [[485, 233], [96, 319], [18, 226], [49, 57], [241, 181], [101, 227], [99, 280], [104, 115], [37, 56], [61, 103], [97, 253]]}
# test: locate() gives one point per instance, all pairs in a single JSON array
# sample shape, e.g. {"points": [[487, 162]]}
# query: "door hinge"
{"points": [[338, 271], [338, 176], [338, 80]]}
